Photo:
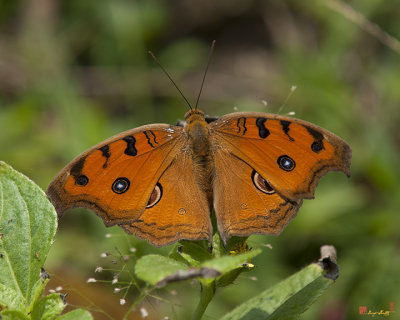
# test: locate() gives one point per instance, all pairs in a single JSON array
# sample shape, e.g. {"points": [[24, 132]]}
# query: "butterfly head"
{"points": [[194, 115], [196, 124]]}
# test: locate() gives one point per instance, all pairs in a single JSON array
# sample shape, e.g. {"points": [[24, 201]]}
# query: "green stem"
{"points": [[206, 294]]}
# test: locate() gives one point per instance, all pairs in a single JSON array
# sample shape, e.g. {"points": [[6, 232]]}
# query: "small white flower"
{"points": [[144, 313], [116, 290], [91, 280], [132, 249], [59, 288], [122, 302], [115, 279], [108, 235], [98, 269]]}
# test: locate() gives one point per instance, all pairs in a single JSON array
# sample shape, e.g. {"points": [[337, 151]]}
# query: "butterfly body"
{"points": [[161, 182]]}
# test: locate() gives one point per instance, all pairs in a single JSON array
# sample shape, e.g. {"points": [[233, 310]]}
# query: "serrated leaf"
{"points": [[48, 308], [286, 300], [225, 264], [77, 314], [28, 223], [153, 268], [13, 315], [11, 299]]}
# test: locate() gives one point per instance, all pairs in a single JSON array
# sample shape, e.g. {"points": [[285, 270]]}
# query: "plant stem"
{"points": [[206, 294]]}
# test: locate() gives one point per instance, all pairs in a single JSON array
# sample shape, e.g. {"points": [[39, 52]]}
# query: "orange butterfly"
{"points": [[161, 181]]}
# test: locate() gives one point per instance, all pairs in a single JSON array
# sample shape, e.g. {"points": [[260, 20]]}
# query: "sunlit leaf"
{"points": [[287, 299]]}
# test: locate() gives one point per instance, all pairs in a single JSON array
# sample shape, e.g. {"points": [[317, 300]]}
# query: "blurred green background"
{"points": [[73, 73]]}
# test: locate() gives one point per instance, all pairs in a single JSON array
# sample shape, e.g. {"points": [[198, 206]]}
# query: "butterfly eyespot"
{"points": [[243, 206], [82, 180], [155, 196], [317, 146], [286, 163], [182, 211], [261, 184], [120, 185]]}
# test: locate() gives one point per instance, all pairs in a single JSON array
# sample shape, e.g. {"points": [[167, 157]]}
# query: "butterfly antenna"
{"points": [[292, 90], [169, 77], [205, 73]]}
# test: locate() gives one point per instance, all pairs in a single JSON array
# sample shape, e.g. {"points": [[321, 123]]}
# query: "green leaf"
{"points": [[286, 300], [37, 291], [193, 252], [13, 315], [48, 308], [11, 299], [225, 264], [28, 223], [153, 268], [77, 314]]}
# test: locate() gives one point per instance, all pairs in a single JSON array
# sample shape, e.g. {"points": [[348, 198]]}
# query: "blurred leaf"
{"points": [[48, 308], [287, 299], [28, 223], [77, 314]]}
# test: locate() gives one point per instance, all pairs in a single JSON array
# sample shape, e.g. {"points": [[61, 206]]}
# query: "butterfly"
{"points": [[161, 182]]}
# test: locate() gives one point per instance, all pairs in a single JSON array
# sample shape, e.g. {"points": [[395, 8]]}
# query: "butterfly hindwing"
{"points": [[179, 209], [244, 204]]}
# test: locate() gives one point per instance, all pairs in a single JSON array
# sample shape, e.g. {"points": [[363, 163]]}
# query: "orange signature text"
{"points": [[385, 313]]}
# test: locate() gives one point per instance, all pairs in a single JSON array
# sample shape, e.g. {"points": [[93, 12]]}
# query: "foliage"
{"points": [[28, 224]]}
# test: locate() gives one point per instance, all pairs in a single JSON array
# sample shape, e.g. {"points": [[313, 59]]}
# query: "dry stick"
{"points": [[368, 26]]}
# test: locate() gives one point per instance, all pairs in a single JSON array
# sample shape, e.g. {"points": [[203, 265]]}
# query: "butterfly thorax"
{"points": [[198, 132]]}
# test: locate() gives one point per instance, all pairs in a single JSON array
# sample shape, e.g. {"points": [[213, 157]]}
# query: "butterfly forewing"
{"points": [[116, 178]]}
